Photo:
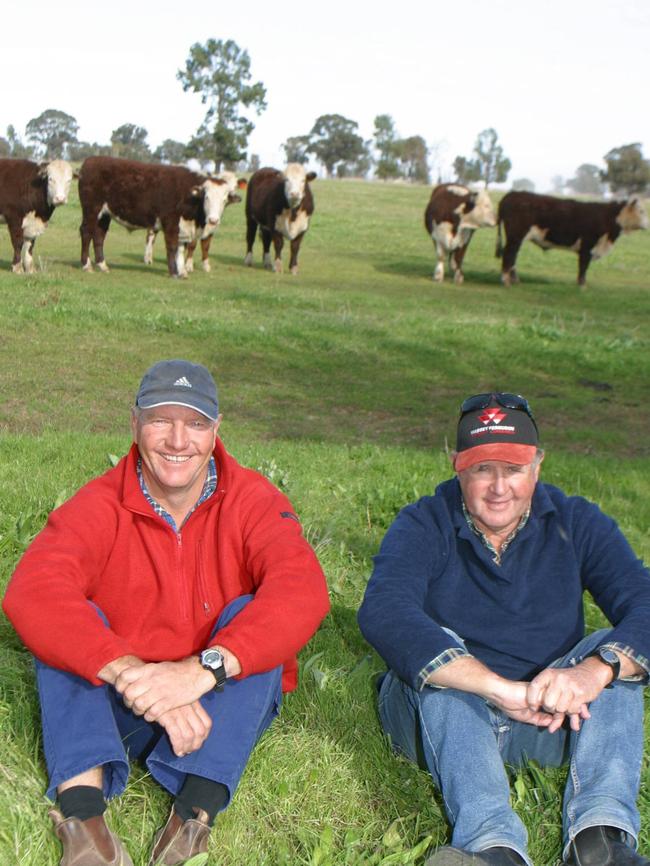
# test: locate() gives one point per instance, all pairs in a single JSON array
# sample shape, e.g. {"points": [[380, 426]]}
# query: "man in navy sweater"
{"points": [[475, 603]]}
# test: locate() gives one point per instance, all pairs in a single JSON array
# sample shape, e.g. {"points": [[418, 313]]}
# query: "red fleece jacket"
{"points": [[162, 592]]}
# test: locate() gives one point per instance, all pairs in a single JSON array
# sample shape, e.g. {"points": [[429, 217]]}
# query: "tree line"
{"points": [[219, 71]]}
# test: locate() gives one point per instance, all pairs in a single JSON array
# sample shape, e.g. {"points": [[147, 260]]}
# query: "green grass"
{"points": [[342, 386]]}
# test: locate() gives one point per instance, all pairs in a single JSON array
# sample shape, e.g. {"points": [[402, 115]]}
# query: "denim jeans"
{"points": [[87, 726], [464, 742]]}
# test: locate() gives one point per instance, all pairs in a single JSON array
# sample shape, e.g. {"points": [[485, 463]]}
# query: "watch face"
{"points": [[608, 656], [212, 658]]}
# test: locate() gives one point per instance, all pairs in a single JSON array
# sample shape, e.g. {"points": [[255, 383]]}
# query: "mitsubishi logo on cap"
{"points": [[492, 415]]}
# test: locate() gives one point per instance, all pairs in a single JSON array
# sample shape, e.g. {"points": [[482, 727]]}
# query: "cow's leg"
{"points": [[86, 232], [175, 252], [99, 234], [439, 272], [26, 255], [148, 246], [205, 251], [251, 231], [17, 240], [189, 256], [508, 272], [266, 244], [457, 264], [584, 258], [295, 247], [278, 243]]}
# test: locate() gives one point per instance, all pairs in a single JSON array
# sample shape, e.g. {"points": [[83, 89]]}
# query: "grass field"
{"points": [[342, 385]]}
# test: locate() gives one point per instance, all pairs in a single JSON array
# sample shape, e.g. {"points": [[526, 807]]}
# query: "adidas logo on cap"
{"points": [[183, 381]]}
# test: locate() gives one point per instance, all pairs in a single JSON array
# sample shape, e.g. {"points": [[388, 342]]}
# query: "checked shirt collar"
{"points": [[209, 487]]}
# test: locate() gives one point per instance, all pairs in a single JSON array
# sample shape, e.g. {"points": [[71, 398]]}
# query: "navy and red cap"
{"points": [[495, 432]]}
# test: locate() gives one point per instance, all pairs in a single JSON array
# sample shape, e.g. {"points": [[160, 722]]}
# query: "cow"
{"points": [[233, 183], [453, 214], [29, 193], [281, 204], [181, 203], [588, 228]]}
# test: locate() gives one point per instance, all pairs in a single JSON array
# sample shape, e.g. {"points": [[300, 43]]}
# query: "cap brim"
{"points": [[205, 412], [508, 452]]}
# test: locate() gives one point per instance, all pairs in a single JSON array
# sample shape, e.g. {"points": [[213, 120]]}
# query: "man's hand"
{"points": [[510, 697], [187, 728], [153, 689], [569, 691]]}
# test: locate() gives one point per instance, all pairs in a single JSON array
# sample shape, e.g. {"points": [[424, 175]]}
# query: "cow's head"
{"points": [[295, 181], [633, 215], [216, 195], [58, 175], [478, 211]]}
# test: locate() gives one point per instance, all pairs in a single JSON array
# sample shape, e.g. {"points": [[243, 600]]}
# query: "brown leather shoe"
{"points": [[179, 840], [88, 843]]}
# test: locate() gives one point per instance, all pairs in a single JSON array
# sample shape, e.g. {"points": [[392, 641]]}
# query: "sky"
{"points": [[562, 81]]}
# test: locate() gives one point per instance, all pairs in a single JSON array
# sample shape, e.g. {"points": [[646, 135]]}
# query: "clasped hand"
{"points": [[152, 689], [552, 696]]}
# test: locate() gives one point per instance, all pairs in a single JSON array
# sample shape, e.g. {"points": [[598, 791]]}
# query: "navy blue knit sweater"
{"points": [[517, 617]]}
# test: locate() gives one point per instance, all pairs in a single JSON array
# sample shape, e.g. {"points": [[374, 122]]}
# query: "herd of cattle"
{"points": [[188, 207]]}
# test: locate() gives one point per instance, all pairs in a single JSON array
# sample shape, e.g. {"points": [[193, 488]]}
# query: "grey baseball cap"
{"points": [[179, 383]]}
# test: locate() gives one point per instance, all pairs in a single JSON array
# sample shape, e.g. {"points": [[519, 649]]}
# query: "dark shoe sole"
{"points": [[448, 856]]}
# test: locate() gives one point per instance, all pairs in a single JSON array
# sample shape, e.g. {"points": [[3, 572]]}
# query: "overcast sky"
{"points": [[561, 81]]}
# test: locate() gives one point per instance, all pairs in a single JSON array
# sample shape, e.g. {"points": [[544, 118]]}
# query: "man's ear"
{"points": [[452, 456]]}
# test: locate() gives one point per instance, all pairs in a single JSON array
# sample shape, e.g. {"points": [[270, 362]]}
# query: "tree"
{"points": [[466, 170], [492, 165], [5, 147], [627, 170], [171, 151], [296, 149], [587, 180], [130, 141], [220, 72], [557, 184], [52, 131], [253, 163], [523, 184], [386, 143], [413, 154], [81, 150], [17, 148], [333, 140]]}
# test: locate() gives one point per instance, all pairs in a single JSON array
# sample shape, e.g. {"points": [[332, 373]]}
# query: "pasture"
{"points": [[342, 385]]}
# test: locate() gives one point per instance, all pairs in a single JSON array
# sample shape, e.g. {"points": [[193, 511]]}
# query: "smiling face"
{"points": [[175, 444], [498, 494]]}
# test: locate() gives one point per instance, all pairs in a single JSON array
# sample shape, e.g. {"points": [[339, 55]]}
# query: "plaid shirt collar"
{"points": [[497, 555], [209, 487]]}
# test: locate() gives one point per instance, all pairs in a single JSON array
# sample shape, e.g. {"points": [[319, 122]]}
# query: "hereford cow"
{"points": [[29, 192], [233, 183], [588, 228], [453, 214], [281, 204], [180, 202]]}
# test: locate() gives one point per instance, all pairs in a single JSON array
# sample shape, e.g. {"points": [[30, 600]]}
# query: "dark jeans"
{"points": [[86, 726]]}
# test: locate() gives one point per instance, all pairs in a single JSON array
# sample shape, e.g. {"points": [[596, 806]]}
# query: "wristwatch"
{"points": [[212, 660], [608, 657]]}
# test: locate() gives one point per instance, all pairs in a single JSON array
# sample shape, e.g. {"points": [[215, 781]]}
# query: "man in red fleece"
{"points": [[164, 604]]}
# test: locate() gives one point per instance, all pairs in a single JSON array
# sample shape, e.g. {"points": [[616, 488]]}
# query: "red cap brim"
{"points": [[508, 452]]}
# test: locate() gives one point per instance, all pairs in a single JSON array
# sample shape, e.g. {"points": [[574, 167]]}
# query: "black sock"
{"points": [[200, 793], [82, 801]]}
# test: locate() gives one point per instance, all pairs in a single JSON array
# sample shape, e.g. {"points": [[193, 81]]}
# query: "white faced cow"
{"points": [[588, 228], [453, 214], [281, 204], [29, 193], [180, 202], [229, 196]]}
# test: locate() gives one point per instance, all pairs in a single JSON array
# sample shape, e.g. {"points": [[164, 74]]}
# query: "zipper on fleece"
{"points": [[203, 589], [180, 576]]}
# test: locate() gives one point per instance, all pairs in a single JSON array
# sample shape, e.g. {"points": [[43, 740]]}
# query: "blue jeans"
{"points": [[87, 726], [464, 742]]}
